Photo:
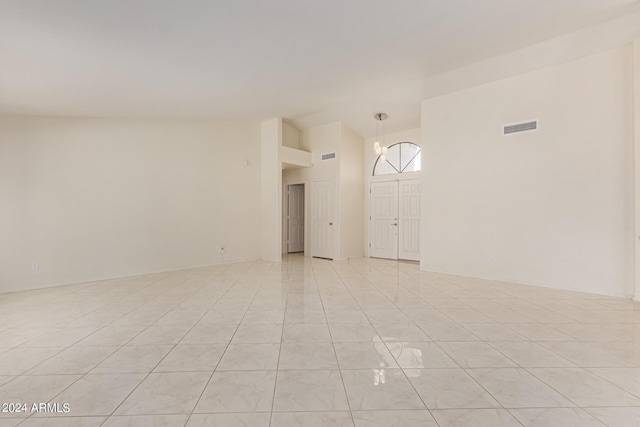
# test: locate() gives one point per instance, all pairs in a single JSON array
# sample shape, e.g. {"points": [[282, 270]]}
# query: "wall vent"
{"points": [[528, 126], [328, 156]]}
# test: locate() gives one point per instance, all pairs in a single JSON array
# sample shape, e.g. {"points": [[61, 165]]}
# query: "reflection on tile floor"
{"points": [[309, 342]]}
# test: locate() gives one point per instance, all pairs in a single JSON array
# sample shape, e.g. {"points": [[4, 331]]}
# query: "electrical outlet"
{"points": [[35, 266], [222, 249]]}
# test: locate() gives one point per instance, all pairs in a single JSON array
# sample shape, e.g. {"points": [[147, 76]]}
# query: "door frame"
{"points": [[335, 221], [285, 215], [411, 176], [285, 204], [389, 230]]}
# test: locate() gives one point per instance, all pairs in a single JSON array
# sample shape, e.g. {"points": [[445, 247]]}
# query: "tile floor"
{"points": [[309, 342]]}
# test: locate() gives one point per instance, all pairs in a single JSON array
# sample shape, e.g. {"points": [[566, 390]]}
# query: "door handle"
{"points": [[330, 223], [395, 223]]}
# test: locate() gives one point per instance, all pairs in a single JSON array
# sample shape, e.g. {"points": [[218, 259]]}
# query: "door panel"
{"points": [[394, 230], [409, 220], [322, 219], [383, 229], [295, 218]]}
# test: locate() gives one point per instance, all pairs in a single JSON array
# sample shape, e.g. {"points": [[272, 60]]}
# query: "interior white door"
{"points": [[322, 219], [383, 228], [409, 220], [295, 218]]}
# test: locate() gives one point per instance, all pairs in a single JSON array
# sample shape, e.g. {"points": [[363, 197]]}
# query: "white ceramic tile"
{"points": [[133, 359], [520, 342], [190, 357], [146, 421], [517, 388], [493, 332], [565, 417], [628, 352], [466, 315], [238, 391], [345, 316], [15, 337], [405, 418], [205, 333], [584, 388], [19, 360], [310, 390], [224, 317], [258, 334], [430, 316], [160, 335], [5, 379], [301, 316], [475, 418], [306, 333], [364, 355], [250, 357], [446, 331], [626, 378], [228, 420], [531, 355], [99, 394], [312, 419], [60, 337], [384, 388], [111, 336], [33, 389], [165, 393], [353, 332], [476, 355], [419, 355], [307, 356], [73, 360], [263, 317], [395, 332], [386, 317], [617, 417], [583, 354], [539, 332], [450, 388], [64, 422]]}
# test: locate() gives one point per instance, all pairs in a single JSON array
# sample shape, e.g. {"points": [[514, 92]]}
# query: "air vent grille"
{"points": [[520, 127], [328, 156]]}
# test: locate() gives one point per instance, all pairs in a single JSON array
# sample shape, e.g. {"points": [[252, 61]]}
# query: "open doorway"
{"points": [[294, 211]]}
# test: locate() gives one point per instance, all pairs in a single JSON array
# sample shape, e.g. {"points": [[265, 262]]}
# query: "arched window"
{"points": [[400, 157]]}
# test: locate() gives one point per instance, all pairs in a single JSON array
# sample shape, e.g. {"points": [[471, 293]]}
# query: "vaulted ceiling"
{"points": [[254, 59]]}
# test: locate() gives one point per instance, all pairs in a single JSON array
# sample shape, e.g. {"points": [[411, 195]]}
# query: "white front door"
{"points": [[383, 230], [322, 219], [295, 218], [394, 231], [409, 220]]}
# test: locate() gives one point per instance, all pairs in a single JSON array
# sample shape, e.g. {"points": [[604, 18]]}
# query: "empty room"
{"points": [[332, 213]]}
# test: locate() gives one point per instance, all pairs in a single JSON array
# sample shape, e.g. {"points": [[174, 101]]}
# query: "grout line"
{"points": [[335, 353], [160, 361]]}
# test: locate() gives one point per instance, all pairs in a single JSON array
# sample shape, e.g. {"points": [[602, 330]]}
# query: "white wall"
{"points": [[409, 135], [94, 199], [551, 208], [603, 37], [271, 190], [290, 136], [351, 194]]}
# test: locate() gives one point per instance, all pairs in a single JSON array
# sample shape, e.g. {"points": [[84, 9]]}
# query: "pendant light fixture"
{"points": [[378, 146]]}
